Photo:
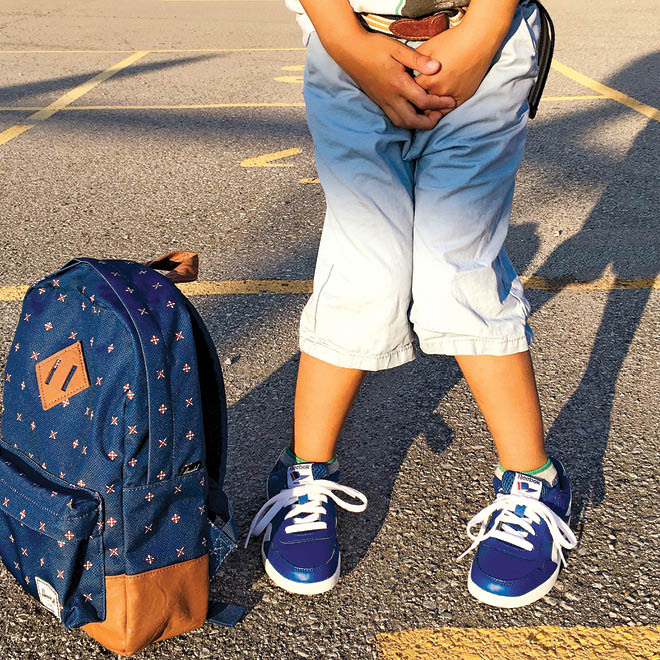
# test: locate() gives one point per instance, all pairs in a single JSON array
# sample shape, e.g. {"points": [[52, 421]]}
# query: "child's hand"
{"points": [[380, 66], [467, 50], [464, 64]]}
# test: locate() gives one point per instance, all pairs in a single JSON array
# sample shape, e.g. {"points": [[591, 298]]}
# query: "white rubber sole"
{"points": [[513, 601], [302, 588]]}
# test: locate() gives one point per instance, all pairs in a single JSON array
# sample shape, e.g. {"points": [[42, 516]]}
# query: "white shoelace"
{"points": [[535, 511], [304, 516]]}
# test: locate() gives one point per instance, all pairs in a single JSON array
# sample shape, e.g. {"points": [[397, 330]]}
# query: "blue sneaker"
{"points": [[299, 521], [521, 538]]}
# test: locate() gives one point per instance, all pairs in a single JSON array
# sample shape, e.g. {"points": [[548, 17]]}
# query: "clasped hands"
{"points": [[449, 68]]}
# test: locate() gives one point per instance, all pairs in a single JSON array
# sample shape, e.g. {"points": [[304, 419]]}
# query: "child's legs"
{"points": [[357, 317], [503, 386], [324, 394], [505, 390], [468, 300]]}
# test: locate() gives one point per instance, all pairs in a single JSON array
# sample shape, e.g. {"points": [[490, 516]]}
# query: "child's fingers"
{"points": [[422, 122], [421, 99], [435, 102], [412, 59], [431, 82], [435, 116], [438, 87], [408, 117]]}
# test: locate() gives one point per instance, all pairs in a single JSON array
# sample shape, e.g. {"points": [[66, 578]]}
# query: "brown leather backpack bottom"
{"points": [[151, 606]]}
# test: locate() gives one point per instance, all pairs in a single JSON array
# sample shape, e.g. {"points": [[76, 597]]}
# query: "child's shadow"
{"points": [[620, 234], [396, 407], [393, 409]]}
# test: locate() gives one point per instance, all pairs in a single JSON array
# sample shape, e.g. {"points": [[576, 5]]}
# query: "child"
{"points": [[417, 145]]}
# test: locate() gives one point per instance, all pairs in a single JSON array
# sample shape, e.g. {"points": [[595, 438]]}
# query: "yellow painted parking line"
{"points": [[81, 90], [605, 283], [13, 132], [614, 94], [60, 51], [576, 97], [290, 79], [213, 106], [266, 160], [192, 106], [242, 287], [525, 643], [13, 293], [73, 95]]}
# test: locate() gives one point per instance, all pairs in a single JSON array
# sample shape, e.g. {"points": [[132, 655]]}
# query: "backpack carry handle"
{"points": [[182, 266]]}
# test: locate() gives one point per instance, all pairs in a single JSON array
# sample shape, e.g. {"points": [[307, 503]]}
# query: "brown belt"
{"points": [[414, 29]]}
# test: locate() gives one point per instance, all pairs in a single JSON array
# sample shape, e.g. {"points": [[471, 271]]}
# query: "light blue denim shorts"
{"points": [[412, 242]]}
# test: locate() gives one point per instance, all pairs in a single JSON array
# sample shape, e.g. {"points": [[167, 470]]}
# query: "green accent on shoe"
{"points": [[300, 460], [545, 466], [499, 471], [547, 472]]}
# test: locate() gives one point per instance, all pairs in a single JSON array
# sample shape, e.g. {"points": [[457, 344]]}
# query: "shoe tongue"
{"points": [[301, 473], [517, 483]]}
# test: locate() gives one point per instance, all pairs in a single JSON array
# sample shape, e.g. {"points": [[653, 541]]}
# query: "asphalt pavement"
{"points": [[165, 154]]}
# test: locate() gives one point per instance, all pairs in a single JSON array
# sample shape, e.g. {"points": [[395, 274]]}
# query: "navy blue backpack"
{"points": [[113, 453]]}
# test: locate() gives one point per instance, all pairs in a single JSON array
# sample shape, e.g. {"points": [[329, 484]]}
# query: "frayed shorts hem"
{"points": [[475, 345], [341, 358]]}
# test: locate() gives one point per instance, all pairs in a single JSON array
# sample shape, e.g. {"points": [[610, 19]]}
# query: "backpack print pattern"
{"points": [[124, 476]]}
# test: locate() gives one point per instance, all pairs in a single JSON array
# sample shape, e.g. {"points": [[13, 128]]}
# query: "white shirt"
{"points": [[409, 8]]}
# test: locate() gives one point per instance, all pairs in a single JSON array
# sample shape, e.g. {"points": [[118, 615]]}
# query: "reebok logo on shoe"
{"points": [[527, 486]]}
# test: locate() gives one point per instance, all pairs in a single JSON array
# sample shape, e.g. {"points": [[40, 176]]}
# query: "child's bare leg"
{"points": [[324, 394], [522, 533], [505, 390]]}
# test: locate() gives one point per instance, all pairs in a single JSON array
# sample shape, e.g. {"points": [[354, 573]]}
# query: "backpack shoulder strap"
{"points": [[224, 535], [117, 275], [214, 408]]}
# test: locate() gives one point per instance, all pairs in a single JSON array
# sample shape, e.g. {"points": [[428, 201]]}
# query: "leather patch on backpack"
{"points": [[62, 375]]}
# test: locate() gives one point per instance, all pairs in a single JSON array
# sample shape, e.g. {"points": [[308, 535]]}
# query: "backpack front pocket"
{"points": [[51, 540]]}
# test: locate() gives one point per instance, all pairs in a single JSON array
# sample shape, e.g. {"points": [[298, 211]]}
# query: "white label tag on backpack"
{"points": [[527, 486], [298, 474], [48, 596]]}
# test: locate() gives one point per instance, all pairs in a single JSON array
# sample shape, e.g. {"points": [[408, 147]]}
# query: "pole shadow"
{"points": [[25, 91]]}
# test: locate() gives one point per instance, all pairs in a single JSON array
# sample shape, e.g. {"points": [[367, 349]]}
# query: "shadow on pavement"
{"points": [[621, 234], [23, 92], [177, 122], [397, 406]]}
